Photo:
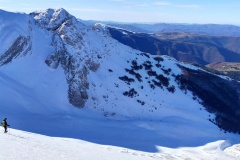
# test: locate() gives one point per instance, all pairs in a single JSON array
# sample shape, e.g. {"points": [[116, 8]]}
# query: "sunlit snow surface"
{"points": [[25, 145]]}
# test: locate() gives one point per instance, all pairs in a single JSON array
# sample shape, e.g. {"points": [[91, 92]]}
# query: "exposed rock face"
{"points": [[51, 19], [67, 35], [54, 59], [20, 47]]}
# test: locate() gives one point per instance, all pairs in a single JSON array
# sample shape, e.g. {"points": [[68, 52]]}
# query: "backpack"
{"points": [[3, 123]]}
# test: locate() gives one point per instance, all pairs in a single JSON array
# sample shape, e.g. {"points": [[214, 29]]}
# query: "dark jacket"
{"points": [[4, 123]]}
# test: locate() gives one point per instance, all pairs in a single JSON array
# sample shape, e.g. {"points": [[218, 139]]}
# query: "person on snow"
{"points": [[5, 125]]}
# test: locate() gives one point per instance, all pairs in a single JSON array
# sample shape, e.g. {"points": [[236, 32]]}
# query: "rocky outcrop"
{"points": [[20, 47], [66, 34], [51, 19]]}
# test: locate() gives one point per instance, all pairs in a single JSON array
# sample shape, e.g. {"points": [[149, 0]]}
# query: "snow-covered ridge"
{"points": [[104, 27]]}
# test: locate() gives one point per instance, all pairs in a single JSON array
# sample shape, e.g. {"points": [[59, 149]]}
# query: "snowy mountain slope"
{"points": [[150, 72], [28, 146], [127, 98], [15, 36], [11, 27]]}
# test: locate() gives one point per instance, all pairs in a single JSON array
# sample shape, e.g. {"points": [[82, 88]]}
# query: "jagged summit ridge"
{"points": [[52, 18]]}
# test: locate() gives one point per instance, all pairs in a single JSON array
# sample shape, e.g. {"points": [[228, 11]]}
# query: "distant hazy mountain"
{"points": [[207, 29]]}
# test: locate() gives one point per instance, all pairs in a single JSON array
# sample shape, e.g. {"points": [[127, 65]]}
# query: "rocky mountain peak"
{"points": [[52, 19], [99, 26]]}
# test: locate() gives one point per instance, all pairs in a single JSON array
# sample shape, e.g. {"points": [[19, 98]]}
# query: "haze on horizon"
{"points": [[141, 11]]}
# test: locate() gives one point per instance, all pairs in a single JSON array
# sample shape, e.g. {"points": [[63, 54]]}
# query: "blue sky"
{"points": [[170, 11]]}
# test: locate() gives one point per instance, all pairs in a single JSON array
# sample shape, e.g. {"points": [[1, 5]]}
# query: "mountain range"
{"points": [[186, 47], [55, 68], [202, 29]]}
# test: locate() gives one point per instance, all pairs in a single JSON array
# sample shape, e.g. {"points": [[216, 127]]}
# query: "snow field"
{"points": [[20, 145]]}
